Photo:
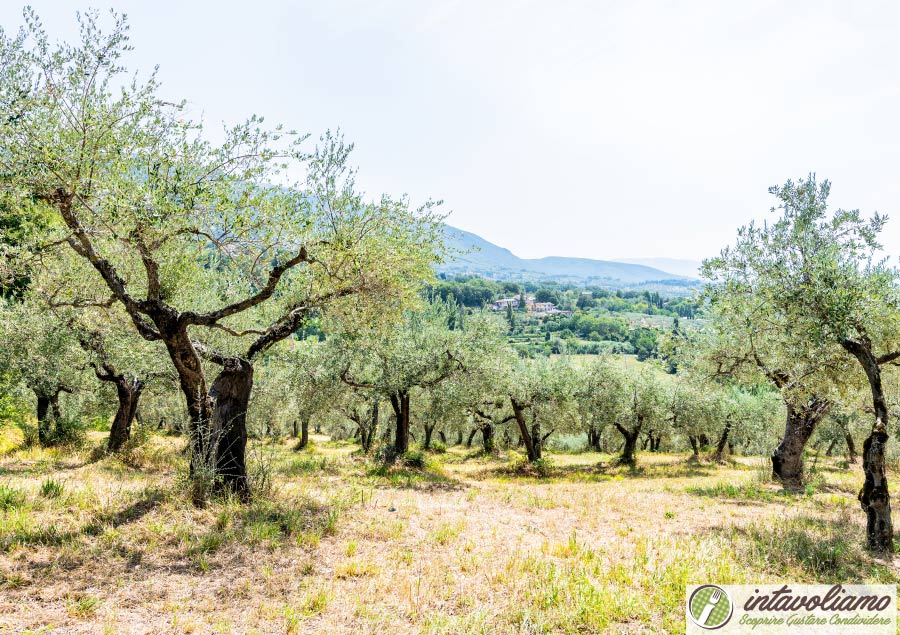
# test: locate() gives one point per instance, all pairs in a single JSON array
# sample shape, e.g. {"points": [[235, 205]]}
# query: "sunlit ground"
{"points": [[471, 544]]}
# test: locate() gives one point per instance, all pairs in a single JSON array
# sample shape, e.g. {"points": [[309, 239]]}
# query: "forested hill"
{"points": [[472, 254]]}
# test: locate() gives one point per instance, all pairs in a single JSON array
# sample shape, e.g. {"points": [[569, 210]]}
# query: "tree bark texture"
{"points": [[230, 396]]}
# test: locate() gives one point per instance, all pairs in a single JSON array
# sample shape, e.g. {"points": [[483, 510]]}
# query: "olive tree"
{"points": [[834, 293], [541, 393], [599, 397], [121, 359], [642, 406], [42, 353], [755, 334], [428, 348], [315, 385], [247, 237]]}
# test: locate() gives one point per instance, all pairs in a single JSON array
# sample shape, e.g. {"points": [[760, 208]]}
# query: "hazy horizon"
{"points": [[573, 129]]}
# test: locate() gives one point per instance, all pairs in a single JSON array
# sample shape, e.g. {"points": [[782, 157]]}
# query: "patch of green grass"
{"points": [[52, 488], [207, 543], [82, 605], [315, 601], [12, 579], [744, 491], [19, 531], [291, 621], [305, 464], [445, 532], [354, 568], [811, 548], [10, 497], [404, 477]]}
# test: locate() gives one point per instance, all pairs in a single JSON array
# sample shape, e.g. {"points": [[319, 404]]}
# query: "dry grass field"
{"points": [[469, 544]]}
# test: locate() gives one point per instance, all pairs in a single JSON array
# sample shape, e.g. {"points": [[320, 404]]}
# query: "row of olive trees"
{"points": [[446, 371]]}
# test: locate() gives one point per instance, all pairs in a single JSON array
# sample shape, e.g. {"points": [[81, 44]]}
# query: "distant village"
{"points": [[544, 308]]}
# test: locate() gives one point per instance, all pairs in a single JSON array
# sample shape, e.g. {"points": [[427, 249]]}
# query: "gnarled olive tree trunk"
{"points": [[851, 448], [43, 417], [367, 432], [192, 382], [487, 437], [532, 441], [230, 397], [631, 439], [695, 446], [128, 392], [302, 433], [800, 423], [400, 404], [594, 439], [48, 411], [874, 497], [719, 454]]}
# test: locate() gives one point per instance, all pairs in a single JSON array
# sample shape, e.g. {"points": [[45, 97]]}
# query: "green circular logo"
{"points": [[710, 607]]}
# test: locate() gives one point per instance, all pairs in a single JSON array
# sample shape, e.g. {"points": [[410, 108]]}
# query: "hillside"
{"points": [[678, 266], [472, 254]]}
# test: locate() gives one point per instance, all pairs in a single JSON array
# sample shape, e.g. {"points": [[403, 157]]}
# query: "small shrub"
{"points": [[260, 469], [29, 436], [67, 431], [199, 485], [521, 466], [315, 601], [52, 488], [10, 497], [385, 453], [354, 568], [763, 470], [543, 466], [414, 459], [438, 448], [445, 533], [133, 452], [98, 424]]}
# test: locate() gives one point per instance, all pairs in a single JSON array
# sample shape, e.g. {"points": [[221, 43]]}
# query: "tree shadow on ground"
{"points": [[36, 468], [404, 477], [50, 536], [302, 521], [744, 493], [547, 471], [827, 550], [615, 468]]}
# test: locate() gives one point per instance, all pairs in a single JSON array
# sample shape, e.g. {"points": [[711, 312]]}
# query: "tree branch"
{"points": [[210, 318]]}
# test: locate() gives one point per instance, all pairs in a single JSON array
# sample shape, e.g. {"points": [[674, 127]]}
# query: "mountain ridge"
{"points": [[472, 254]]}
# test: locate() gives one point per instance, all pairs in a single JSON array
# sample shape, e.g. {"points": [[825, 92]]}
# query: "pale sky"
{"points": [[594, 129]]}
